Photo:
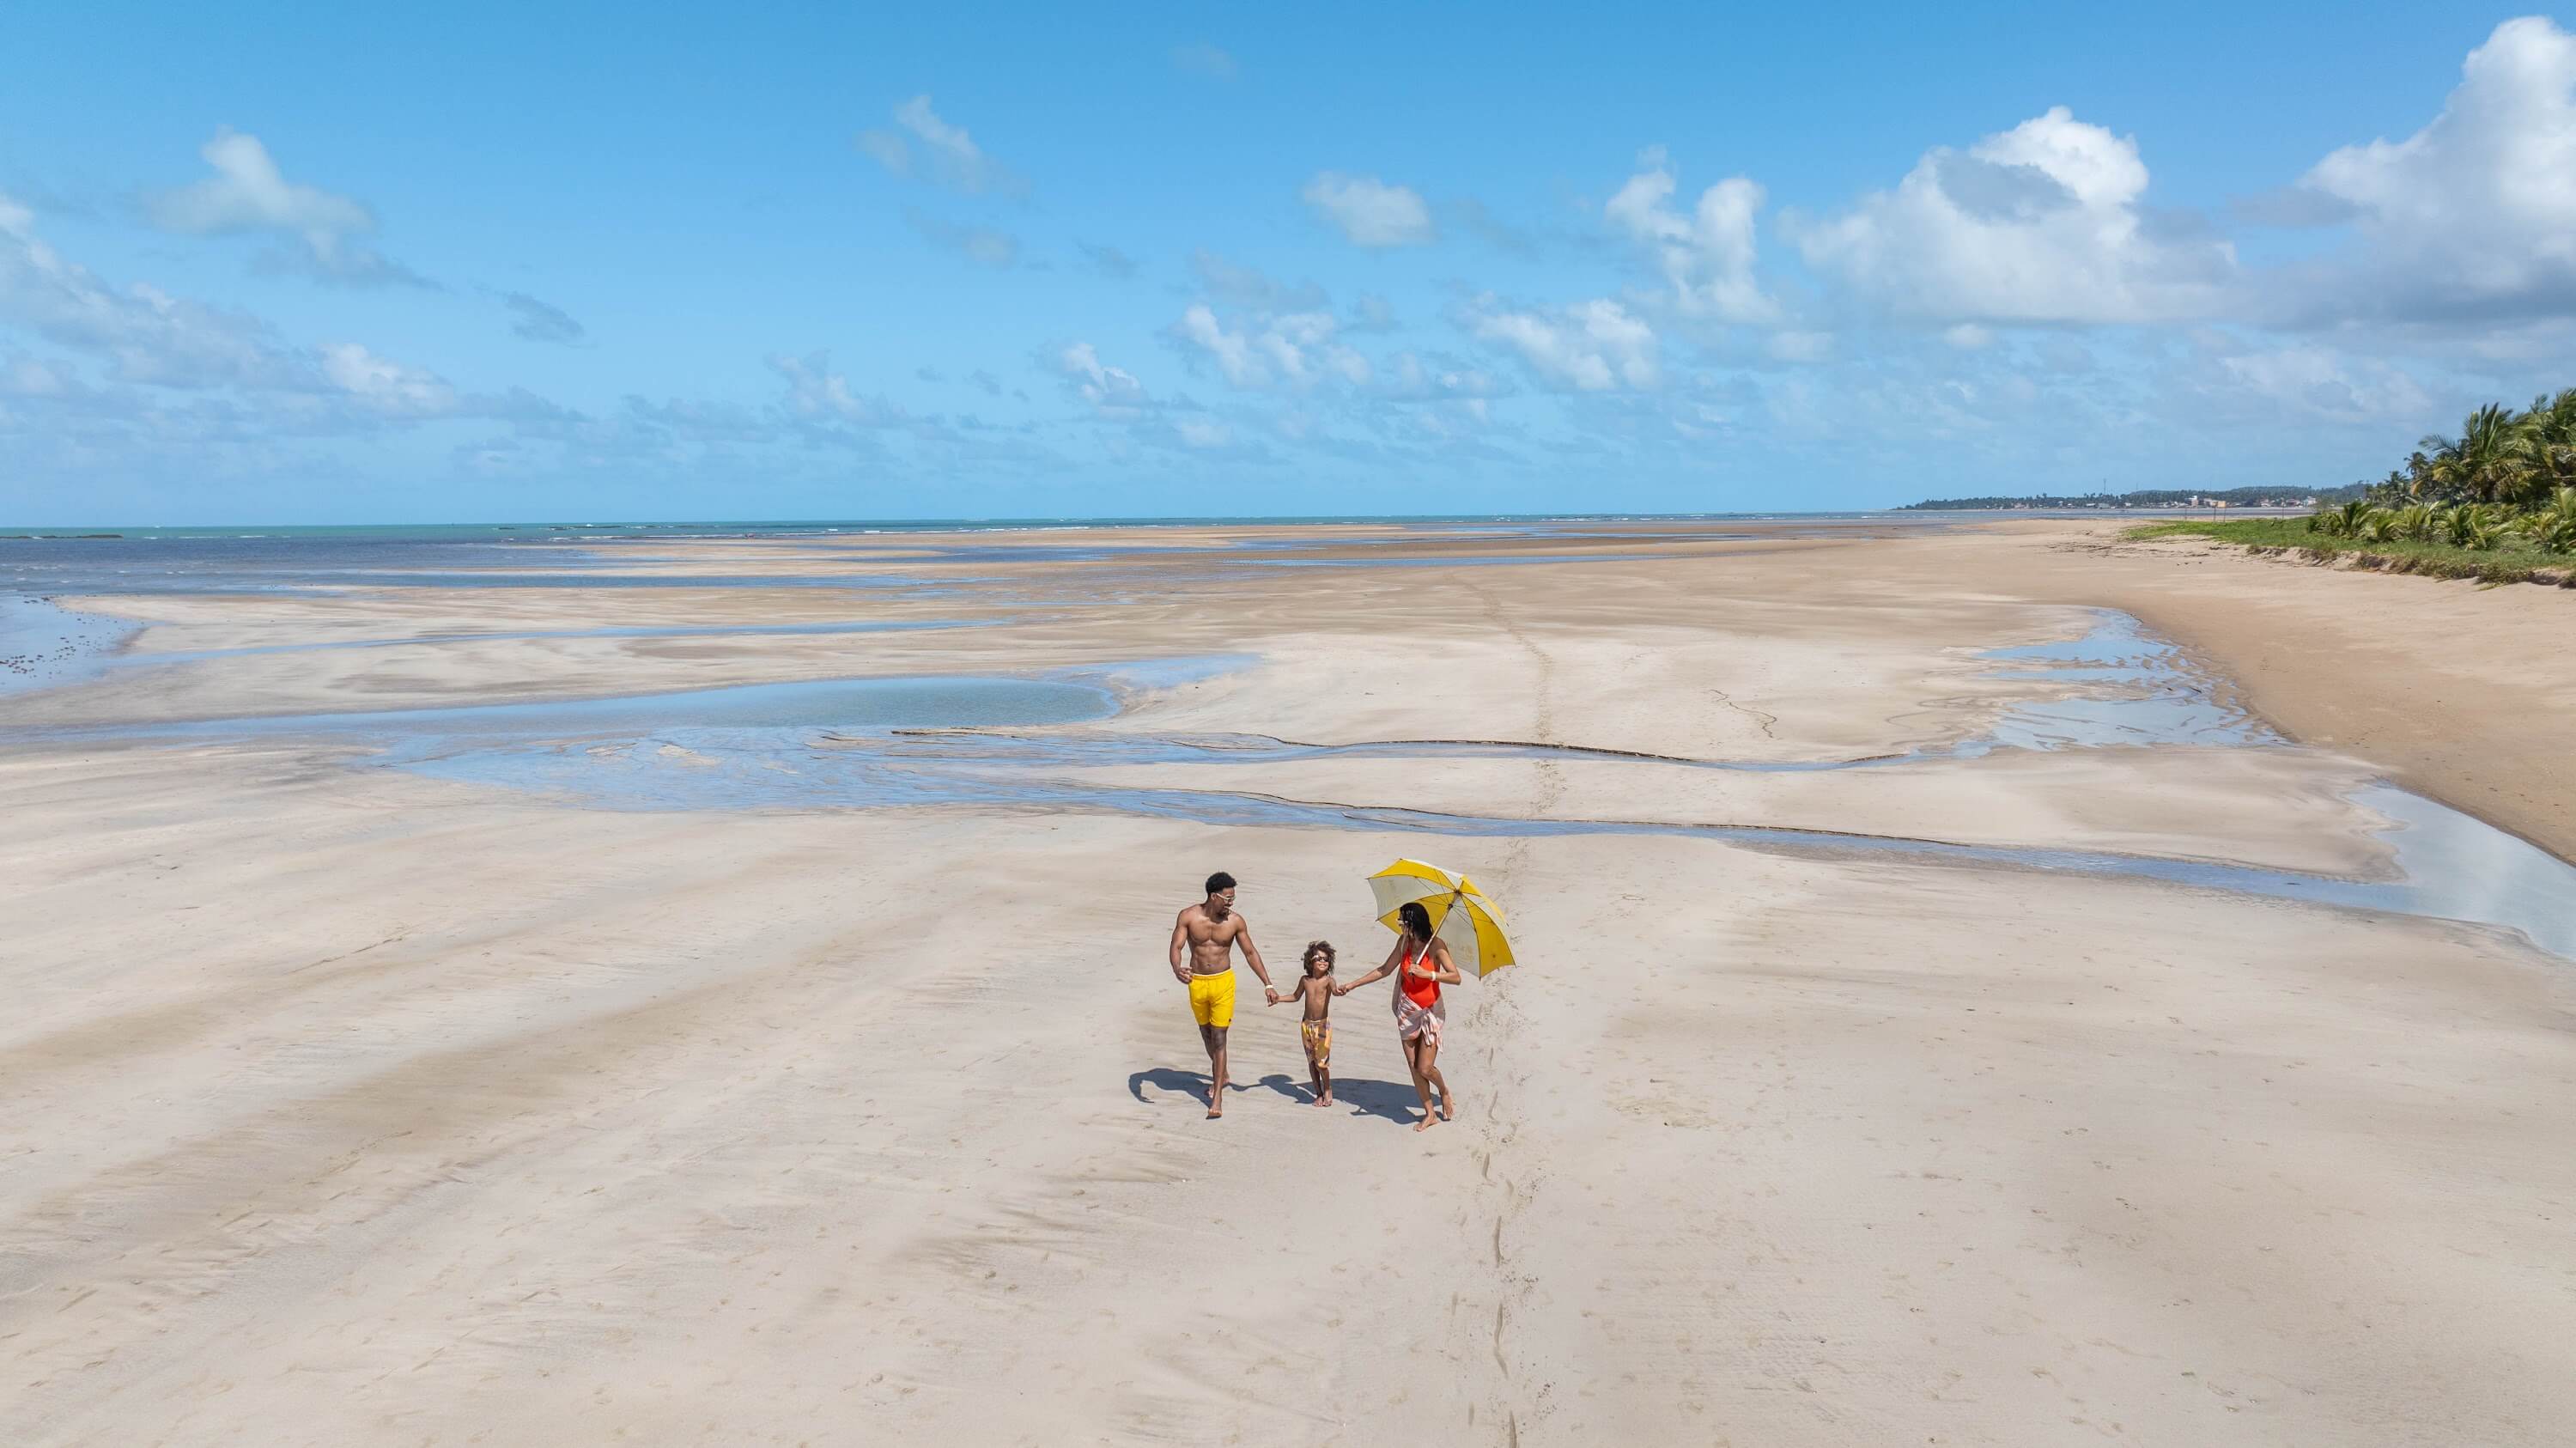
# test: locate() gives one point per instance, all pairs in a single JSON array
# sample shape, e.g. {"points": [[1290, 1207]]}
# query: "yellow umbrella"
{"points": [[1460, 913]]}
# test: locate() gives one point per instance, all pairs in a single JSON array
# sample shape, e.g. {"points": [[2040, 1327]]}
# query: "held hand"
{"points": [[1271, 991]]}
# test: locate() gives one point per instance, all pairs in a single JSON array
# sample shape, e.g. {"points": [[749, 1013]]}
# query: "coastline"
{"points": [[2459, 693]]}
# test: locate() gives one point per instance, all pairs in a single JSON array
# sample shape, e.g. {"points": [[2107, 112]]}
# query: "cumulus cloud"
{"points": [[1204, 59], [1595, 346], [927, 145], [144, 334], [1109, 389], [1370, 212], [383, 386], [538, 321], [1297, 350], [1706, 258], [2041, 223], [248, 194], [2471, 218]]}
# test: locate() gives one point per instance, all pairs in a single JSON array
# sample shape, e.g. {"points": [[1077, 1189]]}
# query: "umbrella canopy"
{"points": [[1460, 914]]}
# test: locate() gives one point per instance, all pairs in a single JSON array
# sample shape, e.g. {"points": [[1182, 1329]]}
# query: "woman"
{"points": [[1421, 965]]}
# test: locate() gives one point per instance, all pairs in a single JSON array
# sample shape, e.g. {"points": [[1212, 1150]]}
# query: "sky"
{"points": [[296, 264]]}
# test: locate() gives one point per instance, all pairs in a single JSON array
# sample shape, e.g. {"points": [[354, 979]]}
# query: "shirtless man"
{"points": [[1209, 932]]}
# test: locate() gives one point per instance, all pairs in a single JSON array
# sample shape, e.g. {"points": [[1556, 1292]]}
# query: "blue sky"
{"points": [[277, 264]]}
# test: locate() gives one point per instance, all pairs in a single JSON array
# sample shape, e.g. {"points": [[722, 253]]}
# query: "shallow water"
{"points": [[627, 631], [45, 646], [945, 743], [2449, 865]]}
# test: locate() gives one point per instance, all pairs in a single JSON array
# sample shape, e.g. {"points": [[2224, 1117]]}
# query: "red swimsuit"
{"points": [[1423, 990]]}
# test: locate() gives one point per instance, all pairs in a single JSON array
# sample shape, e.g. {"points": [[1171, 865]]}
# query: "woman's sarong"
{"points": [[1413, 1021]]}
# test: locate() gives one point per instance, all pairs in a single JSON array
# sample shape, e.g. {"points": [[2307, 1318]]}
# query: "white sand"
{"points": [[345, 1105]]}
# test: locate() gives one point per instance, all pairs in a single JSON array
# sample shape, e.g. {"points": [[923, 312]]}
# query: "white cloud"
{"points": [[383, 386], [1110, 389], [1369, 211], [1969, 337], [2473, 217], [1596, 346], [886, 149], [2041, 223], [1296, 350], [1706, 258], [817, 394], [248, 194], [1199, 433], [1410, 378], [948, 155], [2316, 384], [145, 334]]}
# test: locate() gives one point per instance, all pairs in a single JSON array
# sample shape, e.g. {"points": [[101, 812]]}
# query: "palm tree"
{"points": [[2487, 462], [2549, 433], [2553, 525], [2339, 521]]}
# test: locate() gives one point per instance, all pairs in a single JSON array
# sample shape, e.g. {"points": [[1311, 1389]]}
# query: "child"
{"points": [[1315, 989]]}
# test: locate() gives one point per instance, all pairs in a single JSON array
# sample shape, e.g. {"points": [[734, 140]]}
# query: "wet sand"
{"points": [[352, 1100]]}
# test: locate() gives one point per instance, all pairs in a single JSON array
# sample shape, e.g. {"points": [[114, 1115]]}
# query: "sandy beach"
{"points": [[1931, 1026]]}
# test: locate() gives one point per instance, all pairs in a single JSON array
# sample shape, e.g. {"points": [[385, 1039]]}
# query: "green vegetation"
{"points": [[2518, 460], [2497, 502]]}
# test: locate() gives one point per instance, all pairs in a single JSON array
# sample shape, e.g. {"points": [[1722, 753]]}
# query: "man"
{"points": [[1210, 930]]}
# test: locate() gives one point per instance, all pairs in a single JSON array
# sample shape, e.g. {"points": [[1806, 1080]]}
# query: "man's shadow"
{"points": [[1192, 1084], [1387, 1100]]}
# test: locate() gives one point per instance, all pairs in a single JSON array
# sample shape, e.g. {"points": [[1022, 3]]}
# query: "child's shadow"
{"points": [[1390, 1100]]}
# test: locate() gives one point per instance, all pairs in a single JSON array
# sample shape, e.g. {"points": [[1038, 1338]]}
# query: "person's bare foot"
{"points": [[1216, 1102], [1324, 1100], [1425, 1124], [1445, 1113]]}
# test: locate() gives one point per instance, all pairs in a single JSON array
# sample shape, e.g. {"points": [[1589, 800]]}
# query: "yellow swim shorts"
{"points": [[1212, 999]]}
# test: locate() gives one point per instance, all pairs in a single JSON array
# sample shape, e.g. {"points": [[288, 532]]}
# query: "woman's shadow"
{"points": [[1388, 1100]]}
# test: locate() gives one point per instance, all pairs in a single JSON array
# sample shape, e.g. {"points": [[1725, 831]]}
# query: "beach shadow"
{"points": [[1389, 1100], [1192, 1084]]}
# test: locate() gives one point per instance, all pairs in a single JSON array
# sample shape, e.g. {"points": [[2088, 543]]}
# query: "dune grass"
{"points": [[2514, 560]]}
